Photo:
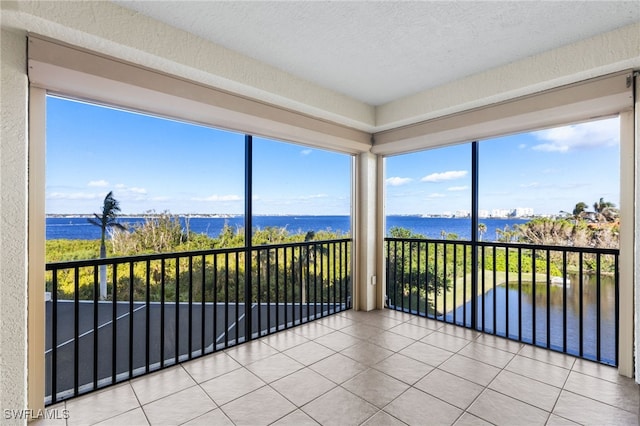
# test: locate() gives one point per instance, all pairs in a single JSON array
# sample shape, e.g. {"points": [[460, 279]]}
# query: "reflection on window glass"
{"points": [[429, 192]]}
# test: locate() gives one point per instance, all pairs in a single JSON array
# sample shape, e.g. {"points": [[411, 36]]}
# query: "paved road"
{"points": [[225, 326]]}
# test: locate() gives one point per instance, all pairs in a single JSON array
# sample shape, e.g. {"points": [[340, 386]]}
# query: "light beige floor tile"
{"points": [[403, 368], [538, 370], [600, 371], [500, 343], [232, 385], [303, 386], [297, 418], [392, 341], [446, 341], [337, 340], [383, 419], [559, 421], [214, 417], [274, 367], [414, 407], [458, 331], [527, 390], [467, 419], [367, 353], [339, 407], [53, 415], [620, 396], [362, 331], [382, 321], [261, 407], [590, 412], [161, 383], [247, 353], [426, 353], [338, 368], [312, 330], [411, 331], [550, 357], [135, 417], [375, 387], [284, 340], [397, 315], [487, 354], [470, 369], [210, 366], [336, 322], [503, 410], [452, 389], [101, 405], [179, 407], [429, 323], [309, 352]]}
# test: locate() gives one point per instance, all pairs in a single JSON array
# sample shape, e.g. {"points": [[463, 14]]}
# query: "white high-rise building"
{"points": [[523, 212]]}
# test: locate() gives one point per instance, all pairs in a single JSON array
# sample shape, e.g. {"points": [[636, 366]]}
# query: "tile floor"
{"points": [[375, 368]]}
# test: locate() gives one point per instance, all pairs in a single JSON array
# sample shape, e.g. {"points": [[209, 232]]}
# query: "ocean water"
{"points": [[79, 228]]}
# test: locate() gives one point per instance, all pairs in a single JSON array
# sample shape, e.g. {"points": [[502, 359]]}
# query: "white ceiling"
{"points": [[377, 52]]}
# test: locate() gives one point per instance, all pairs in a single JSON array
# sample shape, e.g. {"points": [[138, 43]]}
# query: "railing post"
{"points": [[248, 243], [474, 235]]}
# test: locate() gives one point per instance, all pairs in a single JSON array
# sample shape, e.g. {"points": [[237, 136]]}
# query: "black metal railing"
{"points": [[162, 309], [561, 298]]}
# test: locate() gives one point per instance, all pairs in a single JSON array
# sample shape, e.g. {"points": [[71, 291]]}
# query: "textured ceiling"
{"points": [[377, 52]]}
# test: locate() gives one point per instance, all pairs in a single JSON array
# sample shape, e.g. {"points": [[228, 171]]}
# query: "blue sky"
{"points": [[548, 171], [156, 164]]}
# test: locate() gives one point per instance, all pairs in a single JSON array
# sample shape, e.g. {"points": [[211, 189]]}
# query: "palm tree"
{"points": [[482, 228], [110, 210], [605, 211], [579, 208]]}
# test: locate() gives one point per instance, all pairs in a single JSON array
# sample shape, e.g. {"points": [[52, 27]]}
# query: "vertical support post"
{"points": [[474, 235], [365, 240], [36, 238], [629, 266], [248, 226]]}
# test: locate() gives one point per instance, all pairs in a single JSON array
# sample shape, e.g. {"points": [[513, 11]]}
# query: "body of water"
{"points": [[515, 308], [78, 228]]}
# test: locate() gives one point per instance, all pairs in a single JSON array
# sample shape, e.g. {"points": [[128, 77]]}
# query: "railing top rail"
{"points": [[181, 254], [576, 249]]}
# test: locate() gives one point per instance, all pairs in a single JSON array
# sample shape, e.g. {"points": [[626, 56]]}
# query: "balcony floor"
{"points": [[374, 368]]}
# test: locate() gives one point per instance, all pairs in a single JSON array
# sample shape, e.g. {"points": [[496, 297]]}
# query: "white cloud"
{"points": [[98, 183], [458, 188], [73, 196], [449, 175], [397, 181], [216, 197], [435, 195], [522, 146], [137, 190], [594, 134], [305, 152], [312, 197], [530, 185]]}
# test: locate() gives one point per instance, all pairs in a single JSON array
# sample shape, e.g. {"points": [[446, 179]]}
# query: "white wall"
{"points": [[13, 223]]}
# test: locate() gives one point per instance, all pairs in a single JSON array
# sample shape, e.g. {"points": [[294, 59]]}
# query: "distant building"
{"points": [[523, 212], [500, 213]]}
